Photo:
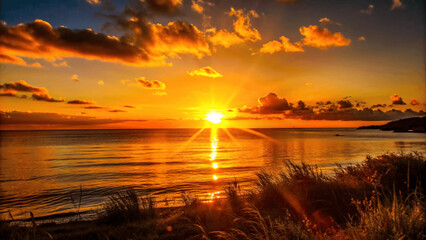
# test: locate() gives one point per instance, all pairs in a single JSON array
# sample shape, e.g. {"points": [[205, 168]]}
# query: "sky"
{"points": [[169, 63]]}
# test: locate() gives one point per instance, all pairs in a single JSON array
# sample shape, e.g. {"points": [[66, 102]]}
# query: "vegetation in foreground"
{"points": [[380, 198]]}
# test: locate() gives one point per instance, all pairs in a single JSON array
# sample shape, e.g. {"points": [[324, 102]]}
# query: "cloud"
{"points": [[414, 102], [225, 38], [365, 114], [205, 71], [196, 6], [79, 102], [313, 36], [344, 104], [145, 44], [17, 61], [128, 106], [378, 106], [39, 40], [12, 60], [44, 97], [101, 83], [269, 104], [164, 6], [75, 78], [243, 31], [369, 10], [116, 111], [242, 25], [52, 119], [38, 93], [157, 41], [326, 20], [8, 93], [285, 46], [94, 107], [322, 38], [362, 38], [22, 86], [396, 4], [397, 100], [340, 110], [148, 84], [36, 65]]}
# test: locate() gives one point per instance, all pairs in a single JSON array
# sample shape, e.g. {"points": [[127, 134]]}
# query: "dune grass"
{"points": [[379, 198]]}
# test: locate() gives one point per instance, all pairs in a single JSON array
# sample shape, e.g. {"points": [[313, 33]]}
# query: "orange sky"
{"points": [[166, 64]]}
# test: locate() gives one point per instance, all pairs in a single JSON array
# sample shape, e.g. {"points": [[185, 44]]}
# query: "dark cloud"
{"points": [[149, 84], [22, 86], [164, 6], [128, 106], [44, 97], [321, 103], [52, 119], [145, 44], [270, 104], [38, 93], [40, 40], [379, 106], [397, 100], [341, 110], [301, 105], [94, 107], [360, 103], [154, 84], [79, 102], [366, 114], [116, 111], [344, 104], [158, 41]]}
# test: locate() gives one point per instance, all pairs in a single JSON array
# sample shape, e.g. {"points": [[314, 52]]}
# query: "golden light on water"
{"points": [[214, 124]]}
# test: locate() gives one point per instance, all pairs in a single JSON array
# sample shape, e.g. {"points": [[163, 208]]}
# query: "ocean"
{"points": [[51, 172]]}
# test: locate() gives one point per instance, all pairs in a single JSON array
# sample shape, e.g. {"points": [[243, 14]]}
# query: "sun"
{"points": [[214, 117]]}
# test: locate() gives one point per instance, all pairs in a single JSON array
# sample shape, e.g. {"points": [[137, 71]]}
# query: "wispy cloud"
{"points": [[243, 30], [80, 102]]}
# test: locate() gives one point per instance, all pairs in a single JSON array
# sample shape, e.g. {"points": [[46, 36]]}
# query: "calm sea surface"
{"points": [[40, 171]]}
